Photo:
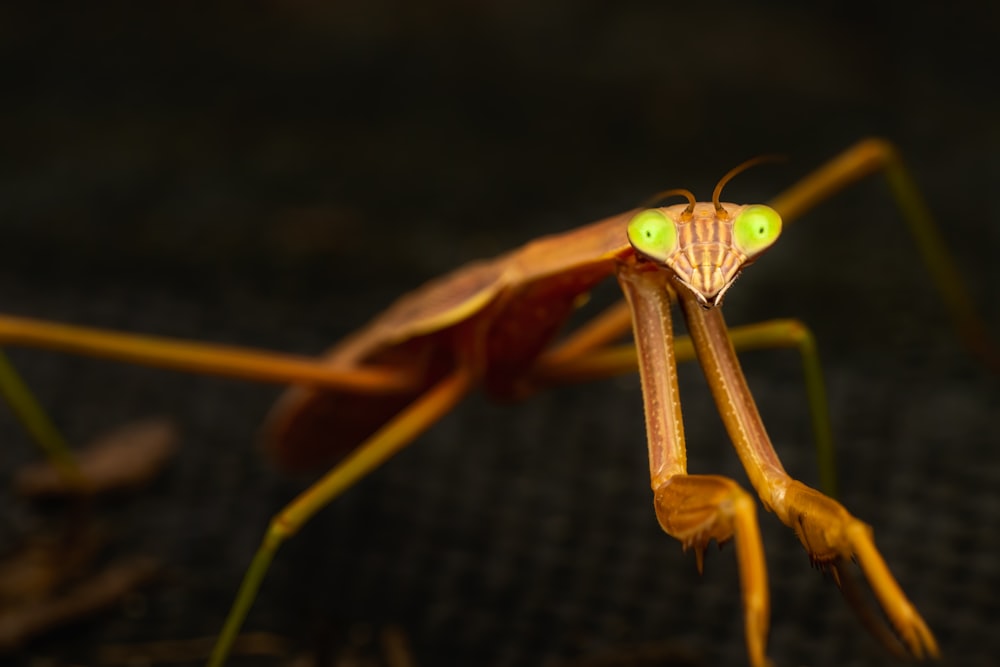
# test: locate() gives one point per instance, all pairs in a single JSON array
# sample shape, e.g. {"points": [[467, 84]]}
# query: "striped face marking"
{"points": [[704, 247]]}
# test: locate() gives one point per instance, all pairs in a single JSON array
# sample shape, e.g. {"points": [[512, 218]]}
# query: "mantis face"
{"points": [[703, 244]]}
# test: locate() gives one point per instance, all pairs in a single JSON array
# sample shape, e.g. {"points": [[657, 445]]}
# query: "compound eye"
{"points": [[755, 229], [653, 234]]}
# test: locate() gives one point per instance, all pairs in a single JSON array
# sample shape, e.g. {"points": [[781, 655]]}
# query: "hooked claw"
{"points": [[699, 508], [831, 535]]}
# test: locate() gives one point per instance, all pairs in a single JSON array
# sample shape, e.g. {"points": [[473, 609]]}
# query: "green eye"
{"points": [[653, 234], [756, 228]]}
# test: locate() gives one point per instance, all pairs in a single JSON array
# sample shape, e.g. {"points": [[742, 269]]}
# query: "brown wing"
{"points": [[308, 428], [462, 294], [432, 307]]}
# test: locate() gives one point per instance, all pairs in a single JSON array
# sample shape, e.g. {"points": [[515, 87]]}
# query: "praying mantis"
{"points": [[495, 325]]}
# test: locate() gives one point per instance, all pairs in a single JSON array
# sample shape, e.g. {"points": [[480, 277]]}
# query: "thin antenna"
{"points": [[660, 196], [752, 162]]}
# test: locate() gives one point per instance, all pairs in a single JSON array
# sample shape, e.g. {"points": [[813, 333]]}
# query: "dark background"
{"points": [[273, 174]]}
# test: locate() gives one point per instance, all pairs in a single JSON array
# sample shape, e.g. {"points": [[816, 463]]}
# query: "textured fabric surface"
{"points": [[274, 177]]}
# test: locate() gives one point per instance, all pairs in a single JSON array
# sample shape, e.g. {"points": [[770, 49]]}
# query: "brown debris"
{"points": [[96, 593], [44, 564], [123, 459]]}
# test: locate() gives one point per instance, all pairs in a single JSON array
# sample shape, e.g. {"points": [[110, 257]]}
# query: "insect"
{"points": [[495, 324]]}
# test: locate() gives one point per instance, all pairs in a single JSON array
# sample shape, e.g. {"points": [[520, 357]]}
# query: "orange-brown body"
{"points": [[494, 316]]}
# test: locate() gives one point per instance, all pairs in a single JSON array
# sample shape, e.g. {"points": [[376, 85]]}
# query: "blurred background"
{"points": [[274, 174]]}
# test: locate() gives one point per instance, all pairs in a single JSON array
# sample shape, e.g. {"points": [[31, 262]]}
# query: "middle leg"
{"points": [[590, 353]]}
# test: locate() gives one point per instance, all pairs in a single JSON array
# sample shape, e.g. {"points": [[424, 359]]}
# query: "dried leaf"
{"points": [[126, 458]]}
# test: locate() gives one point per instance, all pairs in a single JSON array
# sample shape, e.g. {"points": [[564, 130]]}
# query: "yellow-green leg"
{"points": [[588, 357], [241, 363], [225, 360], [388, 440], [36, 422], [862, 160], [247, 364]]}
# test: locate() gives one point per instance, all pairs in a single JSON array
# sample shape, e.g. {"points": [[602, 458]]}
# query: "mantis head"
{"points": [[705, 245]]}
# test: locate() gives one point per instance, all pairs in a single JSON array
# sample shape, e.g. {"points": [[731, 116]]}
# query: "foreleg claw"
{"points": [[697, 509], [831, 534]]}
